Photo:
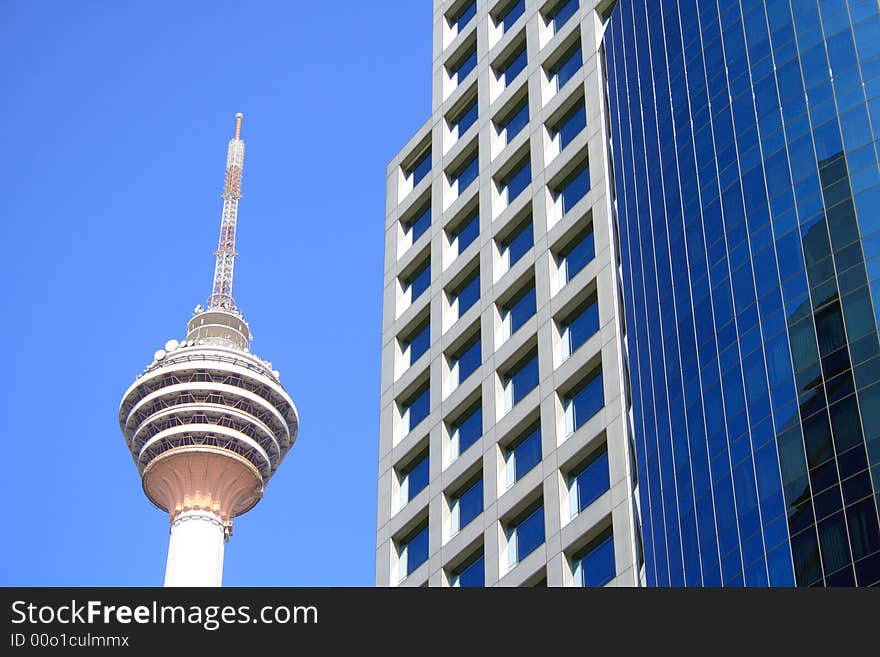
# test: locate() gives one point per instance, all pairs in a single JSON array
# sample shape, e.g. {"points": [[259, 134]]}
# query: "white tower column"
{"points": [[195, 549]]}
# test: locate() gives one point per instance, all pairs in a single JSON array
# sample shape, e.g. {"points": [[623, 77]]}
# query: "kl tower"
{"points": [[208, 422]]}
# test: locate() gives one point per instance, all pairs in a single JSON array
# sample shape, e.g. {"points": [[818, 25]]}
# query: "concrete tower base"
{"points": [[195, 549]]}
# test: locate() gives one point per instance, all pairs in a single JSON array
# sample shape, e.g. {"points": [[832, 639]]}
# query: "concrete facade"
{"points": [[496, 95]]}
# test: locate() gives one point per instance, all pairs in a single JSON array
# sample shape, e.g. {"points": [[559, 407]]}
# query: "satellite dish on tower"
{"points": [[159, 355], [171, 345]]}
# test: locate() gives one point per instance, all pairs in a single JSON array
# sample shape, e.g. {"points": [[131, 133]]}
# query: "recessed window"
{"points": [[514, 247], [583, 401], [525, 534], [579, 325], [466, 294], [415, 409], [565, 67], [466, 232], [514, 182], [413, 551], [420, 168], [588, 480], [512, 65], [414, 478], [466, 173], [520, 380], [416, 343], [466, 360], [466, 430], [594, 566], [472, 573], [522, 455], [560, 13], [518, 310], [466, 504], [464, 119], [576, 255], [418, 224], [509, 13], [417, 282], [459, 18], [572, 188], [461, 66], [509, 124], [569, 125]]}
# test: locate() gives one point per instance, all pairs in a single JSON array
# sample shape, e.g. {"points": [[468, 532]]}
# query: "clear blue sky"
{"points": [[113, 128]]}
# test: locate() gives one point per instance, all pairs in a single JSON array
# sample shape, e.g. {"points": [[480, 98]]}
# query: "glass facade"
{"points": [[747, 194]]}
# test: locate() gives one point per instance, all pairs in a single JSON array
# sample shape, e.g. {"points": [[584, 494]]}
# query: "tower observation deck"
{"points": [[208, 422]]}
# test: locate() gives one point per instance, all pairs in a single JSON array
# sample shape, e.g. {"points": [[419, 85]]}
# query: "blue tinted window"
{"points": [[421, 168], [516, 64], [511, 13], [582, 325], [470, 429], [517, 120], [521, 309], [530, 533], [468, 173], [526, 454], [420, 282], [576, 256], [525, 379], [418, 408], [468, 232], [597, 566], [518, 180], [419, 343], [574, 187], [571, 125], [470, 503], [466, 65], [567, 66], [591, 480], [468, 361], [468, 295], [562, 12], [416, 551], [520, 243], [420, 223], [587, 399], [473, 575], [464, 16], [417, 477], [467, 118]]}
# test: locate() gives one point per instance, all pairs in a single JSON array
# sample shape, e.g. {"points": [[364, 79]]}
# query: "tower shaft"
{"points": [[221, 293]]}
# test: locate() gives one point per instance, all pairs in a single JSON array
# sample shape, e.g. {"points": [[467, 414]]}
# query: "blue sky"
{"points": [[113, 128]]}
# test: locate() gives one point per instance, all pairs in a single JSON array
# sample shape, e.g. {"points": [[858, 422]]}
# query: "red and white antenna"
{"points": [[221, 294]]}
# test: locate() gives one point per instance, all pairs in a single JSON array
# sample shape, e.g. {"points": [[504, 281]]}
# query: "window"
{"points": [[514, 182], [459, 70], [512, 65], [525, 535], [414, 478], [518, 311], [413, 551], [509, 13], [466, 430], [522, 455], [569, 125], [466, 361], [419, 224], [417, 343], [465, 119], [584, 401], [579, 326], [575, 255], [460, 18], [565, 68], [465, 174], [510, 124], [420, 168], [588, 481], [518, 244], [466, 504], [467, 294], [415, 409], [573, 187], [594, 566], [559, 15], [520, 381], [418, 282], [472, 573], [466, 232]]}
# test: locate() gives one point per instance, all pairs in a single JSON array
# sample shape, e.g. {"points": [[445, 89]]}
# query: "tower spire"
{"points": [[221, 293]]}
